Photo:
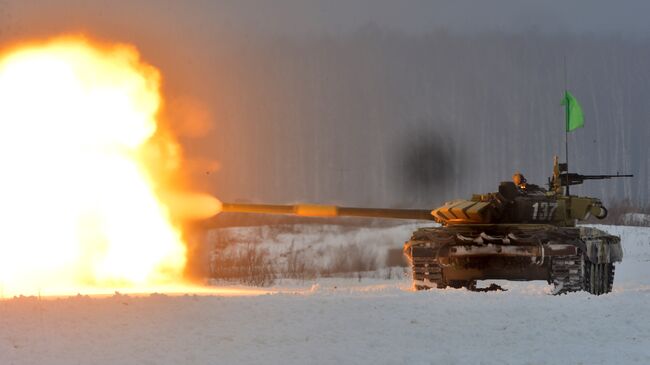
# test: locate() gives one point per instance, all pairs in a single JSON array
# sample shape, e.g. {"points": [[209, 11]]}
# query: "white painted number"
{"points": [[544, 211]]}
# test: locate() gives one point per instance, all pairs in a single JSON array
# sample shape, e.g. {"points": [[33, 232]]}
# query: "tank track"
{"points": [[567, 273], [599, 278], [427, 273], [426, 269], [574, 273]]}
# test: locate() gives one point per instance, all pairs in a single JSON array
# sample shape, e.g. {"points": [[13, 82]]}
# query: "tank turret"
{"points": [[520, 202]]}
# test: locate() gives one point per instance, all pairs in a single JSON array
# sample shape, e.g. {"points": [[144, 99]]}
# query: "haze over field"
{"points": [[384, 103]]}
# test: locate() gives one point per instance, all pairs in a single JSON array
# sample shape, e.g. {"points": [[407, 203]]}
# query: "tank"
{"points": [[520, 232]]}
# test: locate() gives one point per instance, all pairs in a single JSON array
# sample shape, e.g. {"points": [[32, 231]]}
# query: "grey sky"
{"points": [[301, 17]]}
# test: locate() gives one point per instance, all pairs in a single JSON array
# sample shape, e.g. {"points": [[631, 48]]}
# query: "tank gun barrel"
{"points": [[311, 210]]}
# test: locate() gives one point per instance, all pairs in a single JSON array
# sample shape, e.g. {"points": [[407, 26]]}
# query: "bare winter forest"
{"points": [[382, 118], [380, 103]]}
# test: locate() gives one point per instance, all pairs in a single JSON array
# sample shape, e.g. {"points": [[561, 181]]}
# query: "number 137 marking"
{"points": [[543, 211]]}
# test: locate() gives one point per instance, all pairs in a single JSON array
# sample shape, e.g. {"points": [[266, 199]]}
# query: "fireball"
{"points": [[83, 167]]}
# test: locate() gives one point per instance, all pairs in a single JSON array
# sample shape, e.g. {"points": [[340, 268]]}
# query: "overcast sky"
{"points": [[296, 17]]}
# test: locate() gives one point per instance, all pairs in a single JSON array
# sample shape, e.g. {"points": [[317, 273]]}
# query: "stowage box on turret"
{"points": [[520, 232]]}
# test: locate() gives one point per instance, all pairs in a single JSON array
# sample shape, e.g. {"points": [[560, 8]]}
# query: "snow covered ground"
{"points": [[343, 321]]}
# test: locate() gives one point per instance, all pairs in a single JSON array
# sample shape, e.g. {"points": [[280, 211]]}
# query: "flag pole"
{"points": [[566, 127]]}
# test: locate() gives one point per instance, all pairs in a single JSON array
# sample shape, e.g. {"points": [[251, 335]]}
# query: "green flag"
{"points": [[574, 117]]}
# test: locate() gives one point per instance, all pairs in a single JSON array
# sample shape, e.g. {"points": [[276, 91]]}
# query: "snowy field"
{"points": [[343, 321]]}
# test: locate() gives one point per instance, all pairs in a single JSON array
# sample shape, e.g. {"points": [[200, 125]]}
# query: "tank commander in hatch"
{"points": [[523, 187], [520, 181]]}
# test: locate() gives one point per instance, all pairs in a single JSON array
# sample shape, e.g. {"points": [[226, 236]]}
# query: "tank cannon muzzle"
{"points": [[313, 210]]}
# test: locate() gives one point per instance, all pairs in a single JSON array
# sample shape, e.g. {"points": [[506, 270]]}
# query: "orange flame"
{"points": [[84, 167]]}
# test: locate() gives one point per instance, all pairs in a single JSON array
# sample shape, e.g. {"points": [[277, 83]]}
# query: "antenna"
{"points": [[566, 125]]}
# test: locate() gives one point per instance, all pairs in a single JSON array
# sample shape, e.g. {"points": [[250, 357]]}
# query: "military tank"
{"points": [[521, 232]]}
